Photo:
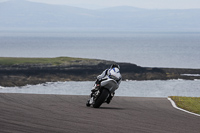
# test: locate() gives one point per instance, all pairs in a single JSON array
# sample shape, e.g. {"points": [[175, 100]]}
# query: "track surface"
{"points": [[28, 113]]}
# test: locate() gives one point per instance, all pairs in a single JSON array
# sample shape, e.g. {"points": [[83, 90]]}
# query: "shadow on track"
{"points": [[114, 108]]}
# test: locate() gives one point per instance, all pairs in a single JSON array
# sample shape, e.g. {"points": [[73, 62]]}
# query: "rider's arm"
{"points": [[104, 73]]}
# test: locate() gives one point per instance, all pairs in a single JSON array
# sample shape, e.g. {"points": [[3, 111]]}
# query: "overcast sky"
{"points": [[152, 4]]}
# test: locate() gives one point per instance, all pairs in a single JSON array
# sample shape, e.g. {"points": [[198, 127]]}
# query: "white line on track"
{"points": [[174, 105]]}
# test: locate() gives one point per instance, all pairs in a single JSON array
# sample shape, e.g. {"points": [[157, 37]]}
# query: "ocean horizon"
{"points": [[147, 49]]}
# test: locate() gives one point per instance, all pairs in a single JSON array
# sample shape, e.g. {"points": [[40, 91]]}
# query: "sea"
{"points": [[147, 49]]}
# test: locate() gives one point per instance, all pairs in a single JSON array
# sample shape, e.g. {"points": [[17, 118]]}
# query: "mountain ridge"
{"points": [[26, 14]]}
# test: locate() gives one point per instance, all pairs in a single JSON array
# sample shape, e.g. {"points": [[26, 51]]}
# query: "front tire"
{"points": [[101, 99], [88, 104]]}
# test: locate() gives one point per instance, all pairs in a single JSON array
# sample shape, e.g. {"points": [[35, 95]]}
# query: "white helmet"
{"points": [[114, 65]]}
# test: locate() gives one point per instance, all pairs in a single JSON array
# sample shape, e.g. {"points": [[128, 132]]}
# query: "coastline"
{"points": [[79, 69]]}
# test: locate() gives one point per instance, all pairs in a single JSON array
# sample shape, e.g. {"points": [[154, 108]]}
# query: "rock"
{"points": [[20, 75]]}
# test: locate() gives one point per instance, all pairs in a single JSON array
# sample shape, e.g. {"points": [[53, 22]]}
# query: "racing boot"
{"points": [[110, 98]]}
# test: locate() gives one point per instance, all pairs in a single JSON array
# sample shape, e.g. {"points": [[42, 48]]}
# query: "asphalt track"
{"points": [[29, 113]]}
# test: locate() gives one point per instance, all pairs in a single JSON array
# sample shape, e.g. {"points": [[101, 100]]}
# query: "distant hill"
{"points": [[26, 14]]}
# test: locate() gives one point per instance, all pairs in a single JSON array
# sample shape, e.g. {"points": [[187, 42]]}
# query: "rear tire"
{"points": [[101, 99]]}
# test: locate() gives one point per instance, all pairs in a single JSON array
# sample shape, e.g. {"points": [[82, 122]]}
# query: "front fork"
{"points": [[94, 96]]}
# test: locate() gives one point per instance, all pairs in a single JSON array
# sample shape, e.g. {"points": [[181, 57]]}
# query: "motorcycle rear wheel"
{"points": [[101, 99]]}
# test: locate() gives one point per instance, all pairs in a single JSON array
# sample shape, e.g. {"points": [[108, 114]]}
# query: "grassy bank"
{"points": [[51, 61], [22, 71], [191, 104]]}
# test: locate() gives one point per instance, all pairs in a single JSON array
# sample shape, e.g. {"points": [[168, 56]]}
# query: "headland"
{"points": [[23, 71]]}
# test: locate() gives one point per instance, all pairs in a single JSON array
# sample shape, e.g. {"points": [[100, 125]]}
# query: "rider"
{"points": [[104, 74]]}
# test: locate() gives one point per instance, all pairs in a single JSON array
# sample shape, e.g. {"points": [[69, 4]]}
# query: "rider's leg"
{"points": [[94, 89], [110, 97]]}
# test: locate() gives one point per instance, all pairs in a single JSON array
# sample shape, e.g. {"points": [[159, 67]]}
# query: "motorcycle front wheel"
{"points": [[101, 99]]}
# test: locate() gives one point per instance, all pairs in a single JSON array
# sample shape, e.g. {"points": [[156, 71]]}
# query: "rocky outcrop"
{"points": [[20, 75]]}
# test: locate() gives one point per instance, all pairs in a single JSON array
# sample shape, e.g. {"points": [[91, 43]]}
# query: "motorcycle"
{"points": [[107, 87]]}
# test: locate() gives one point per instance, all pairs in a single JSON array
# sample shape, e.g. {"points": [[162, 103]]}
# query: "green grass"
{"points": [[51, 61], [191, 104]]}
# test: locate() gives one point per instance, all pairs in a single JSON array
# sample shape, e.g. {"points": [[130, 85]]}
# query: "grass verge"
{"points": [[191, 104], [51, 61]]}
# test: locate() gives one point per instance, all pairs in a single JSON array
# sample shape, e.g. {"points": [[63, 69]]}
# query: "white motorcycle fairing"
{"points": [[110, 84]]}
